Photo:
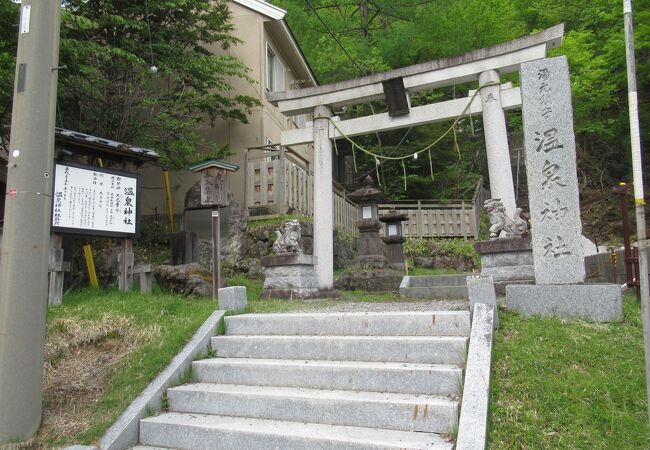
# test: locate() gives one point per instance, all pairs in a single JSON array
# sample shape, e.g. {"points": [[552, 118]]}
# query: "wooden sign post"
{"points": [[214, 192]]}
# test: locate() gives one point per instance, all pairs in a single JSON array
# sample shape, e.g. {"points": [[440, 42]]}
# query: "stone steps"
{"points": [[403, 412], [435, 286], [147, 447], [439, 280], [408, 378], [412, 349], [321, 381], [443, 323], [211, 432]]}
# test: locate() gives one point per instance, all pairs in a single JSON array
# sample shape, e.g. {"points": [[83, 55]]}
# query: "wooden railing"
{"points": [[281, 182], [346, 213]]}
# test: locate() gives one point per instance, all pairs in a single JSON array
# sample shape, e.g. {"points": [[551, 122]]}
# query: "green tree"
{"points": [[8, 33], [150, 72], [109, 86], [406, 32]]}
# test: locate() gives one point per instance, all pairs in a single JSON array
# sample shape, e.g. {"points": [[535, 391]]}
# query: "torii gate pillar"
{"points": [[496, 142], [323, 200]]}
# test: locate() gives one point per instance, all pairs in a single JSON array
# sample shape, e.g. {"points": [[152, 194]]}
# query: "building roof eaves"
{"points": [[61, 134], [303, 59], [267, 9]]}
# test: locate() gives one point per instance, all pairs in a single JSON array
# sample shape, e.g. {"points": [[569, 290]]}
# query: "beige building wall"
{"points": [[265, 123]]}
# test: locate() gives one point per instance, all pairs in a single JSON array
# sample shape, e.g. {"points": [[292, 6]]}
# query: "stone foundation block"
{"points": [[480, 289], [589, 302]]}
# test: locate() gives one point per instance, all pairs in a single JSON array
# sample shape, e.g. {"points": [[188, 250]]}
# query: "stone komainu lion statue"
{"points": [[499, 221], [288, 238]]}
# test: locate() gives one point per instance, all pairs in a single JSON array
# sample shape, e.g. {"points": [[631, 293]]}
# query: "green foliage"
{"points": [[569, 385], [451, 247], [8, 32], [396, 33], [415, 247], [344, 236], [109, 88]]}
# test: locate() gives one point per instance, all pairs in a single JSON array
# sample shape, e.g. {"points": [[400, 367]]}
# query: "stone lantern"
{"points": [[394, 238], [214, 192], [370, 253]]}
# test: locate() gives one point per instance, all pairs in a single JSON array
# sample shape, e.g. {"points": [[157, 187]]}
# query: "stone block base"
{"points": [[303, 294], [290, 276], [289, 271], [589, 302], [508, 261], [378, 280]]}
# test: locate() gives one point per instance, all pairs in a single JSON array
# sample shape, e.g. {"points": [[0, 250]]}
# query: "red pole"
{"points": [[637, 273], [622, 190]]}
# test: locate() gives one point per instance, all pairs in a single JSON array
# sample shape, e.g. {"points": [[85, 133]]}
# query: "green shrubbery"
{"points": [[276, 222], [416, 247]]}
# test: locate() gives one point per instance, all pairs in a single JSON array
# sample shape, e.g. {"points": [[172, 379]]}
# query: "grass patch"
{"points": [[276, 222], [253, 286], [569, 385], [103, 348], [425, 271]]}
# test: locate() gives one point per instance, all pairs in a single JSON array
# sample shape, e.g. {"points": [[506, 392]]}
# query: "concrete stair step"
{"points": [[404, 412], [413, 349], [409, 378], [439, 280], [211, 432], [147, 447], [430, 323], [459, 292]]}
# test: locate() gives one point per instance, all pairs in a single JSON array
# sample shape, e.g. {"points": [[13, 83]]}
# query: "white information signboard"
{"points": [[90, 200]]}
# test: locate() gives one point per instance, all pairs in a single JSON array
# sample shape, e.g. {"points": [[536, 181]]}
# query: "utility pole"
{"points": [[639, 197], [26, 234]]}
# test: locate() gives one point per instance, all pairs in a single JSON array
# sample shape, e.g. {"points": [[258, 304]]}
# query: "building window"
{"points": [[274, 71], [300, 120], [271, 148]]}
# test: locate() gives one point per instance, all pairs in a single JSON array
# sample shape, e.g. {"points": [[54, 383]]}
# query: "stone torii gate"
{"points": [[485, 65]]}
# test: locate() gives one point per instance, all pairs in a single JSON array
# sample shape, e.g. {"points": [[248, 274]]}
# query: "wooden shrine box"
{"points": [[214, 181]]}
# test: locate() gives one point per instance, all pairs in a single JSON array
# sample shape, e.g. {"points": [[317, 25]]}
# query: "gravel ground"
{"points": [[414, 305]]}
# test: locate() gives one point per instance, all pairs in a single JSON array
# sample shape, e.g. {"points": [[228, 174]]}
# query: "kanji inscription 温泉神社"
{"points": [[551, 171]]}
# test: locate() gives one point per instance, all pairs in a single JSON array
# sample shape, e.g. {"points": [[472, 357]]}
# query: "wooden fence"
{"points": [[432, 218], [280, 182]]}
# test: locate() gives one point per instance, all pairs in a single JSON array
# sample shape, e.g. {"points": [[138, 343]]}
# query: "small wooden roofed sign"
{"points": [[96, 187], [87, 149], [214, 181]]}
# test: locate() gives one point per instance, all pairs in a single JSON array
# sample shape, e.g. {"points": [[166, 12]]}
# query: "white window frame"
{"points": [[300, 120], [274, 70], [269, 143]]}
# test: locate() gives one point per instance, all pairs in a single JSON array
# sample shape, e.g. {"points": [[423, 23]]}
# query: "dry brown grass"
{"points": [[80, 358]]}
